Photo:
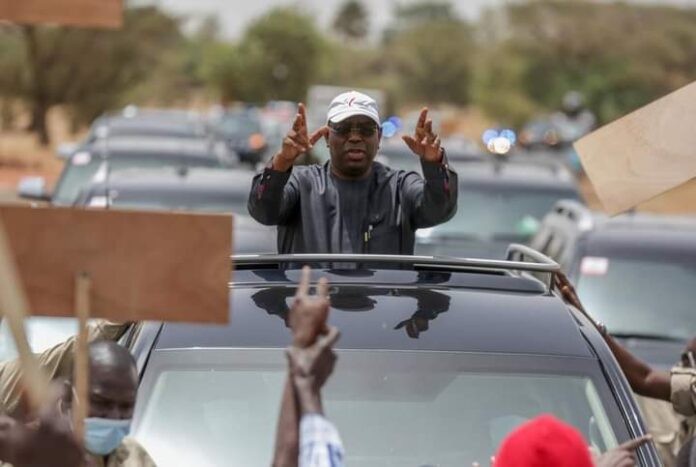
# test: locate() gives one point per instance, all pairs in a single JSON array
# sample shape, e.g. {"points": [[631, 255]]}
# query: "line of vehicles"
{"points": [[445, 356]]}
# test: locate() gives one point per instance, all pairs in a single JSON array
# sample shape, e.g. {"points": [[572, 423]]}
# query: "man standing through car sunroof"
{"points": [[352, 204]]}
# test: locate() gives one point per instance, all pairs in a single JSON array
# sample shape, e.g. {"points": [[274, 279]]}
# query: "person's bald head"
{"points": [[113, 381]]}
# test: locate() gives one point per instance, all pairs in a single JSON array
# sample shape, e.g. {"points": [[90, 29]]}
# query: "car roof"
{"points": [[195, 179], [463, 311], [132, 145], [644, 231], [527, 174]]}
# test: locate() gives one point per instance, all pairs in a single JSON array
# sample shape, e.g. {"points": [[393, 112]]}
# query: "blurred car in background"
{"points": [[186, 189], [94, 162], [136, 122], [395, 154], [171, 189], [499, 202], [539, 133], [243, 132], [635, 273]]}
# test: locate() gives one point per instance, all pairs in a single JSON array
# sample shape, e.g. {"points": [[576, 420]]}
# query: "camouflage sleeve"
{"points": [[130, 454], [683, 388]]}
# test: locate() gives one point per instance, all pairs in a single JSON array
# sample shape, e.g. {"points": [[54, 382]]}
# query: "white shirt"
{"points": [[320, 443]]}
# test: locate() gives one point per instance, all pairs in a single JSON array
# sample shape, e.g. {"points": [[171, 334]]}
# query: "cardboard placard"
{"points": [[142, 265], [81, 13], [643, 154]]}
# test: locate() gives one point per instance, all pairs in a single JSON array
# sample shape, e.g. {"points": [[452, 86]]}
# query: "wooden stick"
{"points": [[81, 370], [14, 306]]}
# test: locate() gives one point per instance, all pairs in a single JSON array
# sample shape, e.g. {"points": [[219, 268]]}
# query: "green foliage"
{"points": [[88, 70], [351, 20], [516, 62], [276, 59], [433, 61], [620, 56]]}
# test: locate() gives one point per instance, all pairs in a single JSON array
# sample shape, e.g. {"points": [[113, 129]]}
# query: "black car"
{"points": [[149, 123], [243, 132], [90, 163], [499, 203], [397, 155], [438, 361], [171, 189], [635, 273], [183, 189]]}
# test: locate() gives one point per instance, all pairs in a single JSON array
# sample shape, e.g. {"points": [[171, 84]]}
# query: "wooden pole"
{"points": [[14, 307], [81, 369]]}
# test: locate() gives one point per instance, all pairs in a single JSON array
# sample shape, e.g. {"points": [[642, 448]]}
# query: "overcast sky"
{"points": [[234, 15]]}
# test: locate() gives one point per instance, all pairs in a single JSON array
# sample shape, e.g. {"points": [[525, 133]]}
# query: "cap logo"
{"points": [[350, 101]]}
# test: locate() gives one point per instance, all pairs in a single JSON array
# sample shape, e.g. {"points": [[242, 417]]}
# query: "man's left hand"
{"points": [[424, 142]]}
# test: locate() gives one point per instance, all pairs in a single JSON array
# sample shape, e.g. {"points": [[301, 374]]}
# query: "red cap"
{"points": [[544, 441]]}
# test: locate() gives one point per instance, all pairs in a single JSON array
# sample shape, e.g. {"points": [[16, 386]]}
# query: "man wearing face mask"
{"points": [[353, 204], [113, 387]]}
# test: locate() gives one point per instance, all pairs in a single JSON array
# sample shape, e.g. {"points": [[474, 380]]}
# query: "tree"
{"points": [[351, 20], [620, 55], [277, 58], [433, 60], [87, 69]]}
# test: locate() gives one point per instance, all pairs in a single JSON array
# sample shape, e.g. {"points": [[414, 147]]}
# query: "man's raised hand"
{"points": [[424, 143], [297, 141], [309, 312]]}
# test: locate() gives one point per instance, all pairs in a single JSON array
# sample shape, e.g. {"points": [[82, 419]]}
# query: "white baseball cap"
{"points": [[352, 103]]}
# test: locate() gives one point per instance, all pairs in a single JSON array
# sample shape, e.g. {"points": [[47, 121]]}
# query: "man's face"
{"points": [[353, 144], [112, 393]]}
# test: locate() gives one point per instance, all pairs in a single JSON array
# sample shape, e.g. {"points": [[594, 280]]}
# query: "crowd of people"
{"points": [[351, 204]]}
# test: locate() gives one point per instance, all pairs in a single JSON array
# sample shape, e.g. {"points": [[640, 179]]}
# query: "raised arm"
{"points": [[274, 193], [432, 199], [307, 320], [644, 379]]}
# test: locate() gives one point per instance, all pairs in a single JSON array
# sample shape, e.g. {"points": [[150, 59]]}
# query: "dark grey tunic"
{"points": [[305, 203]]}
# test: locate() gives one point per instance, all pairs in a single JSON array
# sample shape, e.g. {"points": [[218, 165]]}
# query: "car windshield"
{"points": [[240, 125], [176, 201], [499, 212], [220, 406], [626, 295], [82, 167]]}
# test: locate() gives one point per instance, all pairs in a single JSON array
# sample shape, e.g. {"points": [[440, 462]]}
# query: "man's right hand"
{"points": [[297, 141], [309, 312]]}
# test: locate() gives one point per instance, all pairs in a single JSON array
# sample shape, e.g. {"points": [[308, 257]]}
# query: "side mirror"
{"points": [[65, 150], [33, 188]]}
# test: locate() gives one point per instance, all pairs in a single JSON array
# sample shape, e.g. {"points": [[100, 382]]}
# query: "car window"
{"points": [[42, 333], [240, 125], [220, 407], [493, 211], [645, 296], [82, 168]]}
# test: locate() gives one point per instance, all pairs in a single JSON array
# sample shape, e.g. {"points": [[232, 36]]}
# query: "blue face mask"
{"points": [[103, 435]]}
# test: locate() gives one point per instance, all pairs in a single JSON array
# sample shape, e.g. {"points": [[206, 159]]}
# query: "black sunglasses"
{"points": [[365, 129]]}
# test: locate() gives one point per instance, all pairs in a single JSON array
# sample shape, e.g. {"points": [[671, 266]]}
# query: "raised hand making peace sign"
{"points": [[424, 142], [297, 141]]}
